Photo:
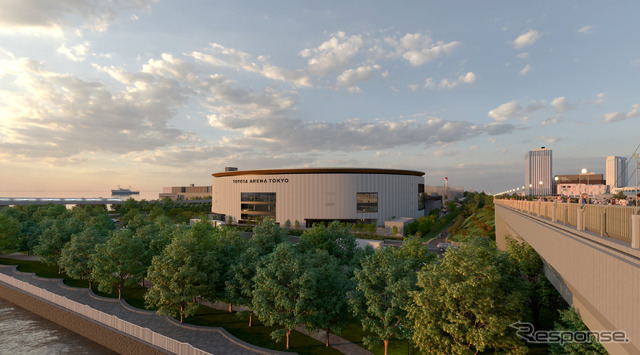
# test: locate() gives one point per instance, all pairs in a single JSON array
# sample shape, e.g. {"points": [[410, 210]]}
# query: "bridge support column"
{"points": [[635, 231], [554, 216], [539, 204], [580, 224]]}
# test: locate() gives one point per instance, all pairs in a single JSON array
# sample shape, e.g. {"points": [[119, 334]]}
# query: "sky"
{"points": [[153, 93]]}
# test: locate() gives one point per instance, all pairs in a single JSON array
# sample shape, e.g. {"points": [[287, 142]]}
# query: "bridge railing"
{"points": [[616, 222]]}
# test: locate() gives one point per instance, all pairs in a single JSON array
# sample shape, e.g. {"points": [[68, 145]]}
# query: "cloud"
{"points": [[334, 55], [600, 99], [620, 116], [561, 104], [350, 77], [445, 153], [53, 17], [77, 53], [506, 111], [548, 139], [527, 68], [551, 120], [535, 106], [468, 79], [220, 56], [53, 115], [522, 55], [526, 39], [418, 48], [585, 30]]}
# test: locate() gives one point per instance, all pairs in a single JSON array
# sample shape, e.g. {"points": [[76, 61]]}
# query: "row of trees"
{"points": [[461, 303]]}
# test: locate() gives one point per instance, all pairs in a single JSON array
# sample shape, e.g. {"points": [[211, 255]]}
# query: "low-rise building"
{"points": [[185, 192]]}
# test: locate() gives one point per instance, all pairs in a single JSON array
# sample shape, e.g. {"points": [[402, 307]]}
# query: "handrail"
{"points": [[608, 221]]}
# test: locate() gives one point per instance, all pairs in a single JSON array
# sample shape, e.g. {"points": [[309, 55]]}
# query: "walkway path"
{"points": [[216, 341], [336, 342]]}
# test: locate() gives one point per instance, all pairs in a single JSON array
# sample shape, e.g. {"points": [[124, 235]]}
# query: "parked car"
{"points": [[443, 246]]}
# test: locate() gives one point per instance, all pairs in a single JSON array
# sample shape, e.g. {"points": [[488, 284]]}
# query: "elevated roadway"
{"points": [[591, 255]]}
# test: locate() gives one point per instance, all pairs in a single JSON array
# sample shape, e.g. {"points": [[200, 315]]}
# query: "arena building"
{"points": [[314, 195]]}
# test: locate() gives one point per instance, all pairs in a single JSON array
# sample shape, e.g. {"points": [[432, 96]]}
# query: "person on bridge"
{"points": [[583, 199]]}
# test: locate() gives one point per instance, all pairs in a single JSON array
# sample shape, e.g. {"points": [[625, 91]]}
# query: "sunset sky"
{"points": [[95, 94]]}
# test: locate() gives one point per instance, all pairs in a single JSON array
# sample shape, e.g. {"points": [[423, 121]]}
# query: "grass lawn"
{"points": [[354, 333], [258, 334]]}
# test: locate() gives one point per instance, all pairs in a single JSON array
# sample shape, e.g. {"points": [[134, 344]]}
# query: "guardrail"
{"points": [[136, 331], [616, 222]]}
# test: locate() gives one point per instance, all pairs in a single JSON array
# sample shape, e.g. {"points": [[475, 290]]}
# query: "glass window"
{"points": [[367, 202], [258, 197]]}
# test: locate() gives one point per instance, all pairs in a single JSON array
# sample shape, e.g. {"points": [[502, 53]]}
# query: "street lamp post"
{"points": [[540, 183]]}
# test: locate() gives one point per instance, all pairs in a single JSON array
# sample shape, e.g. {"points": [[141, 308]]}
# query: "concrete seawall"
{"points": [[108, 338]]}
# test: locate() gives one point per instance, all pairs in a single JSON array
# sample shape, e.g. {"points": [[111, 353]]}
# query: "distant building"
{"points": [[185, 192], [575, 190], [318, 195], [616, 172], [452, 191], [538, 172]]}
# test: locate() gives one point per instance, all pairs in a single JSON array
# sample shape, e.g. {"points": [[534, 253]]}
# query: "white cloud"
{"points": [[551, 120], [561, 104], [61, 116], [77, 53], [418, 48], [620, 116], [600, 99], [585, 30], [53, 17], [468, 79], [506, 111], [429, 84], [445, 153], [334, 55], [527, 68], [350, 77], [526, 39], [220, 56], [548, 139], [522, 55]]}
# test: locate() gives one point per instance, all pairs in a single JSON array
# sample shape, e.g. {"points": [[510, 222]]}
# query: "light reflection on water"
{"points": [[22, 332]]}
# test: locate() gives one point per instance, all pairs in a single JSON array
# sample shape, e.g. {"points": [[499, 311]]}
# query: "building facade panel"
{"points": [[323, 196]]}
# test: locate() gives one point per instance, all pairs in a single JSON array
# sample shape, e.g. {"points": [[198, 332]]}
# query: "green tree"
{"points": [[177, 276], [283, 291], [538, 291], [239, 281], [267, 235], [118, 262], [467, 301], [287, 223], [336, 239], [55, 237], [329, 307], [381, 293], [415, 253], [570, 321], [10, 230], [296, 224], [77, 255]]}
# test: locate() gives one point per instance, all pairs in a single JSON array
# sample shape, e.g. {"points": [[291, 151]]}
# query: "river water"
{"points": [[22, 332]]}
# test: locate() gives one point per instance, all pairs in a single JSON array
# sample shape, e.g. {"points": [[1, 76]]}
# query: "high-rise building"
{"points": [[538, 172], [616, 171]]}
